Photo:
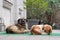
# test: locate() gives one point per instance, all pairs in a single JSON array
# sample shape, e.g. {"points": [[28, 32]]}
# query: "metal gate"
{"points": [[32, 22], [2, 26]]}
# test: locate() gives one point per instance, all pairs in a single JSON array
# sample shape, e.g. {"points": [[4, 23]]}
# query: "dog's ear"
{"points": [[43, 28]]}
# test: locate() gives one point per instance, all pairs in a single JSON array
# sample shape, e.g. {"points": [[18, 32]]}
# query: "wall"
{"points": [[11, 16], [21, 6], [57, 17]]}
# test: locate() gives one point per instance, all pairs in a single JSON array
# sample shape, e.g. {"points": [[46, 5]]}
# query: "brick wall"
{"points": [[57, 17]]}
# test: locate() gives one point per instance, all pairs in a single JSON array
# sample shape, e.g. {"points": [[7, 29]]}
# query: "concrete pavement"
{"points": [[31, 37]]}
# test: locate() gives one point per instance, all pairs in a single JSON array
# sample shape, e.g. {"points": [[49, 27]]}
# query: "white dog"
{"points": [[39, 29]]}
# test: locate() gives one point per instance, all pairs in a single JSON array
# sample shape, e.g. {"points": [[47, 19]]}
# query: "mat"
{"points": [[28, 34]]}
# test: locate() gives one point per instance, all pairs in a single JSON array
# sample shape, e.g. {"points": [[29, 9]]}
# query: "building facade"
{"points": [[11, 10]]}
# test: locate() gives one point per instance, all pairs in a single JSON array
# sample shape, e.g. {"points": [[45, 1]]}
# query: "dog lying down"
{"points": [[35, 29], [40, 29], [16, 29]]}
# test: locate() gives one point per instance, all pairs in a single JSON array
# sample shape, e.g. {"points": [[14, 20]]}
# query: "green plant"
{"points": [[36, 7]]}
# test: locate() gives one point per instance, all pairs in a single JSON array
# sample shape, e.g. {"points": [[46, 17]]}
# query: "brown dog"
{"points": [[47, 28], [17, 28], [36, 29]]}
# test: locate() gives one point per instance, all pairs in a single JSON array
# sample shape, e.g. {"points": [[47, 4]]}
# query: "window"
{"points": [[7, 4], [20, 11]]}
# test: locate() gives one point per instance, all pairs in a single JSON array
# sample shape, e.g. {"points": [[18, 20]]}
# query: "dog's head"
{"points": [[47, 28]]}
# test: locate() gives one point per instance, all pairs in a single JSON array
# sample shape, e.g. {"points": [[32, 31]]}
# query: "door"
{"points": [[6, 16]]}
